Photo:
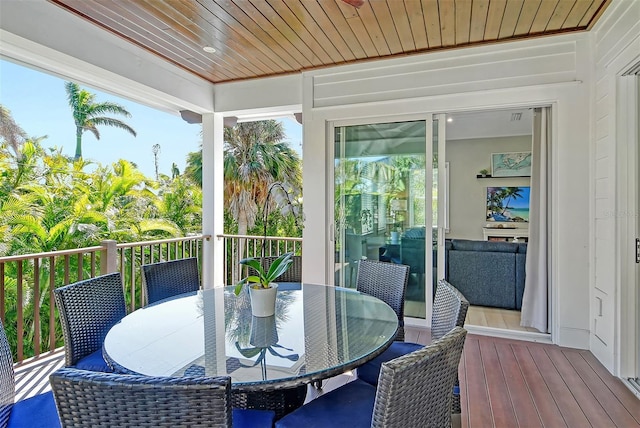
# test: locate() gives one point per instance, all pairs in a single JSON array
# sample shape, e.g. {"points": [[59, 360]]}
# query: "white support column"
{"points": [[212, 200]]}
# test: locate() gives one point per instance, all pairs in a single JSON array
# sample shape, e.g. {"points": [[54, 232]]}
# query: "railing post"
{"points": [[108, 257]]}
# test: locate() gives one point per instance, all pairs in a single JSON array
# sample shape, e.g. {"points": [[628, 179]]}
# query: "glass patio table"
{"points": [[317, 332]]}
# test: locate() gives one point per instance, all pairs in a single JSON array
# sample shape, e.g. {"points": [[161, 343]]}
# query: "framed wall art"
{"points": [[508, 204], [516, 164]]}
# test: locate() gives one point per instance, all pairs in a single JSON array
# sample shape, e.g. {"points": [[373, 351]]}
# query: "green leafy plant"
{"points": [[261, 277], [484, 172]]}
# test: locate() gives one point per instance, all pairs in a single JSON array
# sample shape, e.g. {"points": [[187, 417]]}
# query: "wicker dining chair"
{"points": [[87, 399], [449, 310], [293, 274], [88, 309], [36, 411], [387, 282], [167, 279], [414, 391]]}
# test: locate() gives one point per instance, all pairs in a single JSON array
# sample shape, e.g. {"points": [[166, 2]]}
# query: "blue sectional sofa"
{"points": [[487, 273]]}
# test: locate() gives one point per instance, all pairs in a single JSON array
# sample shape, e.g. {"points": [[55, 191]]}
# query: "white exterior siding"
{"points": [[548, 71], [461, 71], [616, 42]]}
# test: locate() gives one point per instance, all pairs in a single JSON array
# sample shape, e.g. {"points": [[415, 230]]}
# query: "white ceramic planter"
{"points": [[263, 300]]}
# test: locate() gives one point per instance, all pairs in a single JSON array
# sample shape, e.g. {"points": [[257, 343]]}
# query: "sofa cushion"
{"points": [[370, 371], [495, 246], [94, 362], [485, 278], [412, 253], [415, 233], [35, 412], [521, 262], [350, 405]]}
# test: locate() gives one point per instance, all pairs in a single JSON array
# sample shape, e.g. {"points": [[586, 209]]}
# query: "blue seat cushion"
{"points": [[35, 412], [246, 418], [350, 406], [93, 362], [370, 371]]}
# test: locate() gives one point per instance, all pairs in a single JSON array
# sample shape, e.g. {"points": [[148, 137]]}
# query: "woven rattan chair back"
{"points": [[88, 309], [167, 279], [7, 379], [91, 399], [293, 274], [449, 309], [387, 282], [414, 390]]}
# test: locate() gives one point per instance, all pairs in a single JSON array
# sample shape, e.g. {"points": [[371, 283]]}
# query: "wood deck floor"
{"points": [[504, 383], [507, 383], [32, 376]]}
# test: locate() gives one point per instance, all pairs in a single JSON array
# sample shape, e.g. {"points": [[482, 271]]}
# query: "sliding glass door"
{"points": [[386, 203]]}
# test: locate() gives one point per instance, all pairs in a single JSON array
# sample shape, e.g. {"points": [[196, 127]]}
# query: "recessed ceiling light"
{"points": [[209, 49], [449, 119]]}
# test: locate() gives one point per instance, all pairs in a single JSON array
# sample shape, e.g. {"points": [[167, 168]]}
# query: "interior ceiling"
{"points": [[490, 124], [409, 137], [259, 38]]}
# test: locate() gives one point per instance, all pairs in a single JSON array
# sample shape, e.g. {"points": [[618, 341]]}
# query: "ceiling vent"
{"points": [[516, 117]]}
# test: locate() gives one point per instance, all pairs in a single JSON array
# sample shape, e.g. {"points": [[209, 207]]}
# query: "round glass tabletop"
{"points": [[318, 331]]}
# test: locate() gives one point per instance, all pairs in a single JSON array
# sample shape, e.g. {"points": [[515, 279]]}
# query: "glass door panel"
{"points": [[380, 203]]}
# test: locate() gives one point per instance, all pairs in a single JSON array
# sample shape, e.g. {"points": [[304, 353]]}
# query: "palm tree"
{"points": [[87, 114], [10, 131], [509, 193], [156, 151], [194, 167], [254, 158]]}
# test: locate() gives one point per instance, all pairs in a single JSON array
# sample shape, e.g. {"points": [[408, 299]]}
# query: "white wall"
{"points": [[616, 46], [547, 71], [260, 95], [467, 194]]}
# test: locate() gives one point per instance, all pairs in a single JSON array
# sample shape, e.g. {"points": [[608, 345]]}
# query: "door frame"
{"points": [[627, 209], [330, 186]]}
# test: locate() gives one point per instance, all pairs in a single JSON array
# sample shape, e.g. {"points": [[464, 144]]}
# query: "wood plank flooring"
{"points": [[503, 383], [509, 383], [496, 317]]}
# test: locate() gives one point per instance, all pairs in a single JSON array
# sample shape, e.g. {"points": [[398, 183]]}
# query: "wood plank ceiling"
{"points": [[258, 38]]}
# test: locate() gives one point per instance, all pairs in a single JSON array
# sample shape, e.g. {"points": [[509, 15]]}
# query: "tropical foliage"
{"points": [[362, 183], [88, 114], [50, 202], [263, 276], [255, 157]]}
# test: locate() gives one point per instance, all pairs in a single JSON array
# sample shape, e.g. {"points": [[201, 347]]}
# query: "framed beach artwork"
{"points": [[516, 164], [508, 204]]}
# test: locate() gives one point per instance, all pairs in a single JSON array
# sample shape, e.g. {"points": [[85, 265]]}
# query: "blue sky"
{"points": [[38, 103]]}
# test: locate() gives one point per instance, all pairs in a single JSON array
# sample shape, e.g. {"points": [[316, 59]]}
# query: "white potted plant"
{"points": [[262, 289]]}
